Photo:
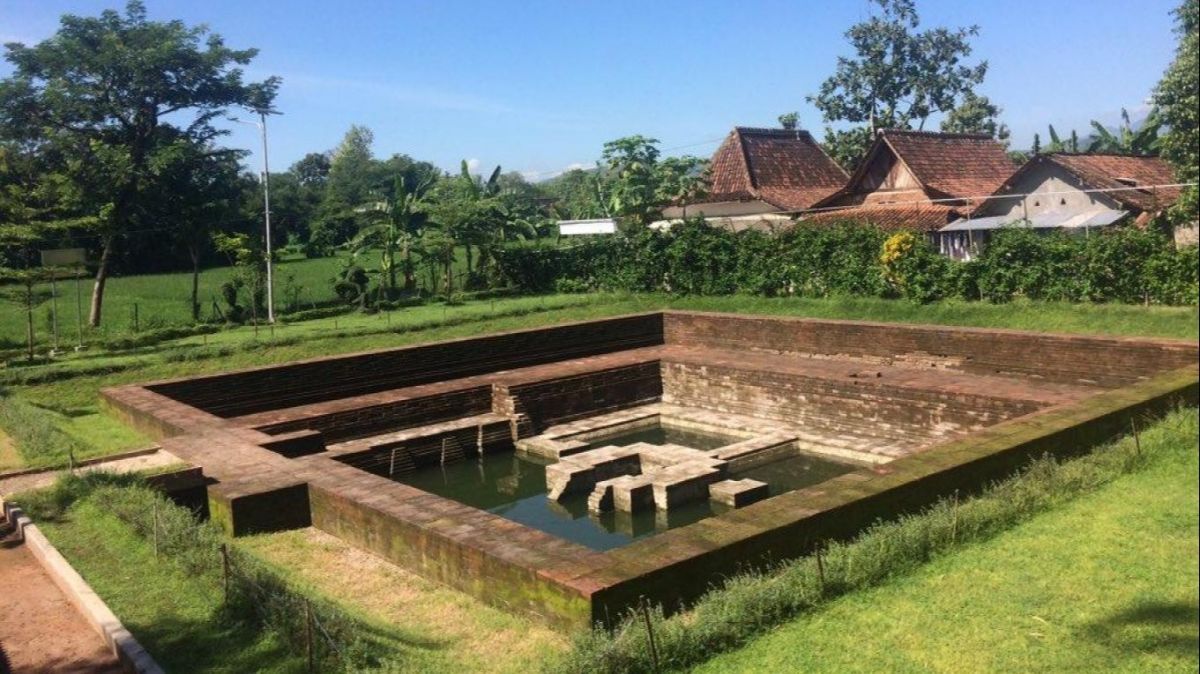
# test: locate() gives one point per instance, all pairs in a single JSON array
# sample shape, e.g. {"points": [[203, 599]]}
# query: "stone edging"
{"points": [[134, 658]]}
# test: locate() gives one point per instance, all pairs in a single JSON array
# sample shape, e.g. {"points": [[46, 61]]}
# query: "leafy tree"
{"points": [[197, 188], [976, 114], [312, 169], [631, 179], [1143, 141], [789, 120], [1037, 145], [898, 77], [350, 169], [682, 180], [1178, 99], [106, 93], [576, 195]]}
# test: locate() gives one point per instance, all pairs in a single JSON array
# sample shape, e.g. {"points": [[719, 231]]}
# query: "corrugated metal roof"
{"points": [[1046, 220]]}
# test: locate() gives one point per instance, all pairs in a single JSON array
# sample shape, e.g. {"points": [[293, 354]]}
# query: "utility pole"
{"points": [[266, 181]]}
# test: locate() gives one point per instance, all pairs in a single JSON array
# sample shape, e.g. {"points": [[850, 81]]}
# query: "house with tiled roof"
{"points": [[1073, 192], [757, 172], [918, 180]]}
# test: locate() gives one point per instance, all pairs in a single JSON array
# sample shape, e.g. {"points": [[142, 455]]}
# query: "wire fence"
{"points": [[324, 635]]}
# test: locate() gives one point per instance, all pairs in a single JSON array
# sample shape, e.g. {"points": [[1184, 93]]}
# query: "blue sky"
{"points": [[538, 86]]}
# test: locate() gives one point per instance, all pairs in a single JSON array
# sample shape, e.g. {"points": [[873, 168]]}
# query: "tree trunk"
{"points": [[101, 279], [410, 277], [470, 259]]}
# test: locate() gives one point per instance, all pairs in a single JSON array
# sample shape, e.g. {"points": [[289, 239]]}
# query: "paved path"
{"points": [[20, 483], [40, 630]]}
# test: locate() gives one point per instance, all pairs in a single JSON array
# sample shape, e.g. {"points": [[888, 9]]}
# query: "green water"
{"points": [[514, 486]]}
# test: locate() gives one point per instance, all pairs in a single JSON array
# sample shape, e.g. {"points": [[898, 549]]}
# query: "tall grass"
{"points": [[752, 603]]}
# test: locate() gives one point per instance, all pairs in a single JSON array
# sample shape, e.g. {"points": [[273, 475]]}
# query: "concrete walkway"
{"points": [[40, 630]]}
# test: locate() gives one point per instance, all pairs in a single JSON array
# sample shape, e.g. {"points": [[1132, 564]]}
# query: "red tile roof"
{"points": [[953, 164], [785, 168], [1113, 171], [921, 217], [947, 165]]}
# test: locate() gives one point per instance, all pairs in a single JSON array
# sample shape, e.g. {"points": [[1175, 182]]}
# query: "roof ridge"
{"points": [[936, 134], [1122, 155], [765, 131]]}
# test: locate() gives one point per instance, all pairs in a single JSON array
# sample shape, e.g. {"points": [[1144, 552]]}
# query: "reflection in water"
{"points": [[514, 486]]}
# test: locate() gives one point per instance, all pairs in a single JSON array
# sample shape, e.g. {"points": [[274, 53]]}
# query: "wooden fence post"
{"points": [[225, 570], [650, 633]]}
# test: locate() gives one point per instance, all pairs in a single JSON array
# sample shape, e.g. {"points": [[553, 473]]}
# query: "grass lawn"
{"points": [[165, 299], [1107, 582], [436, 629], [173, 613]]}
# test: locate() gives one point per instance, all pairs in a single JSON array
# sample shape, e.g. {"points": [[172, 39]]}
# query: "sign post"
{"points": [[74, 259]]}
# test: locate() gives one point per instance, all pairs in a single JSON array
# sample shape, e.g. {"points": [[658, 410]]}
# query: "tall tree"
{"points": [[976, 114], [351, 168], [197, 188], [312, 169], [631, 179], [898, 77], [682, 180], [105, 90], [576, 195], [1178, 99]]}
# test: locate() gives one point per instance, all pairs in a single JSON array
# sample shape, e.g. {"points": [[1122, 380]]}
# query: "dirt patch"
{"points": [[40, 630]]}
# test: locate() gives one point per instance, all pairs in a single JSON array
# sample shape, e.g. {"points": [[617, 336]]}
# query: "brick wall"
{"points": [[325, 379], [855, 407], [396, 415], [485, 564], [552, 401], [1104, 361]]}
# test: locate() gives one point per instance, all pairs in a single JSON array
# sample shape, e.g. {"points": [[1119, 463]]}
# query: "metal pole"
{"points": [[79, 309], [267, 213], [54, 307]]}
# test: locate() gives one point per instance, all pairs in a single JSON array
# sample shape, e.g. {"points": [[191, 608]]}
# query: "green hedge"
{"points": [[1120, 264]]}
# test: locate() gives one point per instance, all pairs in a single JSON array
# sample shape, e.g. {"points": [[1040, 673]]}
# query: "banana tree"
{"points": [[1143, 141], [396, 225]]}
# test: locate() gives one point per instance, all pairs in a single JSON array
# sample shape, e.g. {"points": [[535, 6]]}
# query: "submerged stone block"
{"points": [[738, 493]]}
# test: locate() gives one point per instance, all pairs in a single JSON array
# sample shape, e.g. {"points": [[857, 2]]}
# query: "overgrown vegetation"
{"points": [[1123, 264], [754, 602]]}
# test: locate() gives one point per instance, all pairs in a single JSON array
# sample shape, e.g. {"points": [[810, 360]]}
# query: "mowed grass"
{"points": [[1104, 583], [165, 299], [434, 628], [161, 299], [175, 614]]}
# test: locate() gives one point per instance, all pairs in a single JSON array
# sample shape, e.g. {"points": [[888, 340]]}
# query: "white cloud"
{"points": [[472, 165]]}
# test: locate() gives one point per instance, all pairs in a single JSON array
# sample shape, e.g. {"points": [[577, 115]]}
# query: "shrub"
{"points": [[1121, 264]]}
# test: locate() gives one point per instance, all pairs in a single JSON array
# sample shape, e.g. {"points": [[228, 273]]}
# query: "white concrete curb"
{"points": [[95, 611]]}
